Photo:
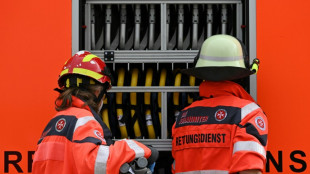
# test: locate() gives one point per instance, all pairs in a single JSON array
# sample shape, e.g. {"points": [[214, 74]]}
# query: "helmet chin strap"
{"points": [[99, 99], [102, 92], [100, 96], [100, 106]]}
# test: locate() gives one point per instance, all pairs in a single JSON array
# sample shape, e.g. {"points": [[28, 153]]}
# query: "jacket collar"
{"points": [[208, 89], [76, 102]]}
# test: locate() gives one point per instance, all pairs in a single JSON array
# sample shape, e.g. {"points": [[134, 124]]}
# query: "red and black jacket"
{"points": [[77, 141], [226, 132]]}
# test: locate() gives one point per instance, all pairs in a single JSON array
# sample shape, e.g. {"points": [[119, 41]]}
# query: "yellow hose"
{"points": [[133, 101], [176, 95], [119, 97], [147, 101], [105, 114], [162, 82], [191, 83]]}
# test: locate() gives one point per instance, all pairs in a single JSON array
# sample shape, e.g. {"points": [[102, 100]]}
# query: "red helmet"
{"points": [[84, 68]]}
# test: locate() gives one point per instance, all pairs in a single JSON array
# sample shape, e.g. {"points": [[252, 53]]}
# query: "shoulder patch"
{"points": [[260, 123], [60, 125]]}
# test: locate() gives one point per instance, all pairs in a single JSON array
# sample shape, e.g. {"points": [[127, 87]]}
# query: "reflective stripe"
{"points": [[87, 72], [64, 72], [101, 159], [249, 146], [173, 165], [80, 52], [235, 58], [82, 121], [78, 81], [206, 172], [92, 82], [135, 147], [68, 83], [88, 57], [248, 109]]}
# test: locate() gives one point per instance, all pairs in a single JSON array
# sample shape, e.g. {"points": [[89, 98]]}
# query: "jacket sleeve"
{"points": [[92, 155], [250, 140]]}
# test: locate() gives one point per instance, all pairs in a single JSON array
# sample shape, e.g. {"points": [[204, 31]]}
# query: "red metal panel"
{"points": [[283, 80], [35, 42]]}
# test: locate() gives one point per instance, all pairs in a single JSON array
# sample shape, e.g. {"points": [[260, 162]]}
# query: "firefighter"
{"points": [[76, 140], [226, 131]]}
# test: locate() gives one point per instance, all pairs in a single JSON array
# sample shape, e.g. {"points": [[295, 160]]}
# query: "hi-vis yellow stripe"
{"points": [[78, 81], [64, 72], [92, 82], [88, 57], [67, 83], [87, 72]]}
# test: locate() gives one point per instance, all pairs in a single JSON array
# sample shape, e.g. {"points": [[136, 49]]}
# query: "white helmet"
{"points": [[222, 57]]}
